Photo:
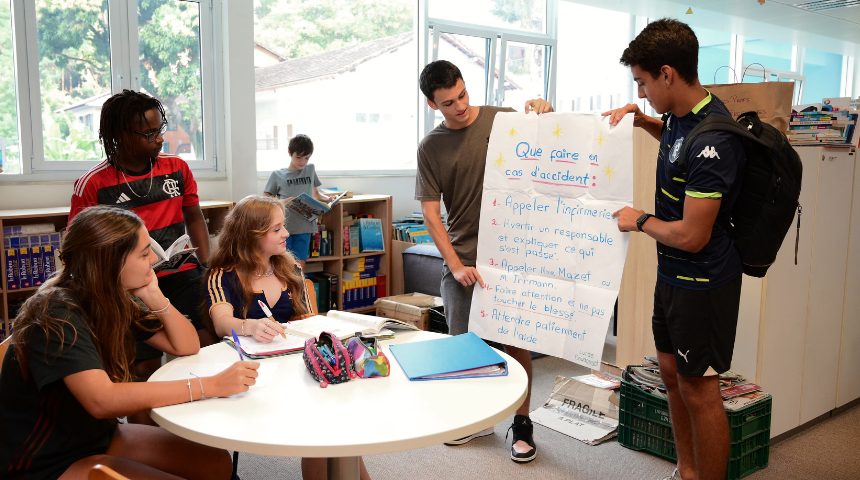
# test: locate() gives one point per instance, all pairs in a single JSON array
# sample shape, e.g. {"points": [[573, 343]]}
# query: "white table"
{"points": [[293, 417]]}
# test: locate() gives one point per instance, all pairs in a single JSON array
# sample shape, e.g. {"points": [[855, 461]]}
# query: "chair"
{"points": [[312, 296], [3, 347], [101, 472]]}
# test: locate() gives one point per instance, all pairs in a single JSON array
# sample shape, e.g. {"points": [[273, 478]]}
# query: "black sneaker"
{"points": [[467, 439], [523, 430]]}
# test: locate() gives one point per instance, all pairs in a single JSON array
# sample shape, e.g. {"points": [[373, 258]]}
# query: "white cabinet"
{"points": [[849, 363]]}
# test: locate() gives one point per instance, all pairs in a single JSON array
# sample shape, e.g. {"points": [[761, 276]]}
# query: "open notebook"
{"points": [[345, 324], [340, 324]]}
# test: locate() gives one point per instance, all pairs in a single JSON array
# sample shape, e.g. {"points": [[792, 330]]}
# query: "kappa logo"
{"points": [[171, 187], [123, 198], [684, 355], [708, 152]]}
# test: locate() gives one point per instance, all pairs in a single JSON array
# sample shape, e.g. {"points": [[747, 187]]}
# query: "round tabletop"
{"points": [[292, 416]]}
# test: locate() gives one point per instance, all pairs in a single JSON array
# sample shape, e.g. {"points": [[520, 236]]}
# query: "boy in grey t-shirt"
{"points": [[299, 177], [451, 166]]}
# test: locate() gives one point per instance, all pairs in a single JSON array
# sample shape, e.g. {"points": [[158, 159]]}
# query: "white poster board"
{"points": [[549, 252]]}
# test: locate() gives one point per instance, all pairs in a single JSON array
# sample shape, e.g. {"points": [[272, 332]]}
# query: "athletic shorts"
{"points": [[299, 245], [457, 300], [697, 326]]}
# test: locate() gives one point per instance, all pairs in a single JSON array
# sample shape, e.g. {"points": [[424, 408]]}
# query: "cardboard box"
{"points": [[581, 411], [413, 308]]}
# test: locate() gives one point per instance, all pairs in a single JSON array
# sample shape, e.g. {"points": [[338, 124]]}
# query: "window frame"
{"points": [[125, 73]]}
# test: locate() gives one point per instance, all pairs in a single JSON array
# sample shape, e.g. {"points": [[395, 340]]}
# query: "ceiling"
{"points": [[836, 30]]}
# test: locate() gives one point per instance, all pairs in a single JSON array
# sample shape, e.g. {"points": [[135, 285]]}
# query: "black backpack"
{"points": [[769, 195]]}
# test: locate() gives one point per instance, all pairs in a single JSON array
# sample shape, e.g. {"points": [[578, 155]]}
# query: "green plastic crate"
{"points": [[644, 424]]}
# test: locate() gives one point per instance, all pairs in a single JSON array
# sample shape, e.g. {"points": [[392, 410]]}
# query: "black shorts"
{"points": [[184, 290], [697, 326]]}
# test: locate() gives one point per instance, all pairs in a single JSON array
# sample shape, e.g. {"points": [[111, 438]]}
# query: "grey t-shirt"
{"points": [[286, 183], [451, 166]]}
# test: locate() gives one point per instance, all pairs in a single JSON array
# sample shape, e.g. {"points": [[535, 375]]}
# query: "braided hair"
{"points": [[118, 118]]}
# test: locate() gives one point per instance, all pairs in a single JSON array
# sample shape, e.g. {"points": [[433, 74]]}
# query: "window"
{"points": [[88, 50], [333, 70], [768, 55], [522, 15], [715, 57], [10, 161], [590, 75], [75, 74], [170, 69], [823, 72]]}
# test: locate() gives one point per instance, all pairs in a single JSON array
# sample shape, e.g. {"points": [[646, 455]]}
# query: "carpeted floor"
{"points": [[828, 450]]}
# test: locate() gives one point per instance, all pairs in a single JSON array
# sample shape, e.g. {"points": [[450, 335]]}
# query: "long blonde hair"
{"points": [[94, 250], [239, 248]]}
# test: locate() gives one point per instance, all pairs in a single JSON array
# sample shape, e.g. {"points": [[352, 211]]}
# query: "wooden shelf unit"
{"points": [[379, 206], [213, 210]]}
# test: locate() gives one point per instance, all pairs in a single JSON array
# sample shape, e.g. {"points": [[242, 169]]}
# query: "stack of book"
{"points": [[412, 229], [823, 128], [336, 191], [321, 242], [31, 254], [362, 282], [362, 233]]}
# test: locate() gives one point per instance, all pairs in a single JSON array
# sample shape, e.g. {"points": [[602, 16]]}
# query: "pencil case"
{"points": [[328, 360], [367, 359]]}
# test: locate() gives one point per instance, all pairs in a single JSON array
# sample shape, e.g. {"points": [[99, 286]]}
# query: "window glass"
{"points": [[714, 53], [469, 54], [525, 73], [524, 15], [771, 55], [823, 72], [10, 161], [75, 75], [169, 43], [590, 76], [335, 71]]}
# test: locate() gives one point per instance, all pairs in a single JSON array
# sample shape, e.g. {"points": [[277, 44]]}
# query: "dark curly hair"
{"points": [[436, 75], [665, 42], [118, 115]]}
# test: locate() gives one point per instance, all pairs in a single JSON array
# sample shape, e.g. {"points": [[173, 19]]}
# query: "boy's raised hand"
{"points": [[538, 106], [617, 114]]}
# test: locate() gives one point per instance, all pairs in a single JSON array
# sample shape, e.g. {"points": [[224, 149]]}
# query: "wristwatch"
{"points": [[642, 219]]}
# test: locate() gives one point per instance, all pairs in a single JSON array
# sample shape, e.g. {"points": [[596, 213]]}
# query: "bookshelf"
{"points": [[379, 206], [214, 212]]}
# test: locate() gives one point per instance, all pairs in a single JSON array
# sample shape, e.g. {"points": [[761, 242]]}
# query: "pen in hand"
{"points": [[268, 313], [238, 345]]}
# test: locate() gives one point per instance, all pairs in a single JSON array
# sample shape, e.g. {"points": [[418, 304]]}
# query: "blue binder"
{"points": [[448, 355]]}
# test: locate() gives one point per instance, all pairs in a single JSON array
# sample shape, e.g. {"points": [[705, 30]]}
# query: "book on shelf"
{"points": [[313, 267], [311, 208], [174, 257], [344, 325], [823, 127], [332, 282], [30, 259], [336, 191], [37, 228], [361, 264], [354, 241], [371, 237]]}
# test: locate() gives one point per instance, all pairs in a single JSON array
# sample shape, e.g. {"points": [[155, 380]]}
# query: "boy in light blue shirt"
{"points": [[299, 177]]}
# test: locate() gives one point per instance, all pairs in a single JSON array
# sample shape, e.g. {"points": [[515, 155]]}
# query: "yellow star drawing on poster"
{"points": [[608, 171], [557, 131], [512, 132], [500, 161], [600, 139]]}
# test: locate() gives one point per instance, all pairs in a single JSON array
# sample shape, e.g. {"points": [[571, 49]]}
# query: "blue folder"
{"points": [[447, 355]]}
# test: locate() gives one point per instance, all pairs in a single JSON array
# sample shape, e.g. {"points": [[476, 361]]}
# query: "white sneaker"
{"points": [[676, 475], [460, 441]]}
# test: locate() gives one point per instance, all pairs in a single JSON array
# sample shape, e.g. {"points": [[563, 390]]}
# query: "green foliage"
{"points": [[76, 143], [297, 28], [8, 104], [518, 12]]}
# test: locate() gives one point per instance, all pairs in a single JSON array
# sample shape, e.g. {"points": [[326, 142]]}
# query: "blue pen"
{"points": [[238, 344]]}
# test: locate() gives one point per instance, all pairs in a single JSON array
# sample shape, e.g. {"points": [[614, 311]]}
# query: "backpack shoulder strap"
{"points": [[711, 123]]}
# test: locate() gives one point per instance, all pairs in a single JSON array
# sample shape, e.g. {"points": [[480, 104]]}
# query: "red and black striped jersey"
{"points": [[156, 196]]}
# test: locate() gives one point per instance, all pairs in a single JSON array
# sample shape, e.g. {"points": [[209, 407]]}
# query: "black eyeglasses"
{"points": [[150, 137]]}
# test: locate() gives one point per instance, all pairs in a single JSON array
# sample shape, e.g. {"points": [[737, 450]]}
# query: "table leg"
{"points": [[343, 468]]}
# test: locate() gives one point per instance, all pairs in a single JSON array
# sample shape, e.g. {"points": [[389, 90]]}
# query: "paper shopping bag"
{"points": [[771, 100]]}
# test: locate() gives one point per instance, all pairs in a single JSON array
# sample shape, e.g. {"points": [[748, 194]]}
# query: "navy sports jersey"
{"points": [[156, 199], [714, 171], [223, 286]]}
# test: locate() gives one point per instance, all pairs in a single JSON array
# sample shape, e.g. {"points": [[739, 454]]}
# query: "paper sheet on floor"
{"points": [[580, 411]]}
